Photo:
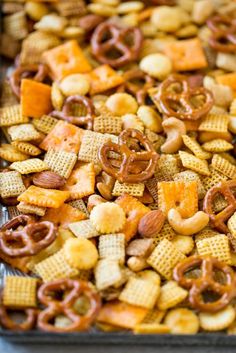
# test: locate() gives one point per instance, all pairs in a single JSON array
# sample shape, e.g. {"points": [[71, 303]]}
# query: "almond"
{"points": [[151, 224], [48, 180]]}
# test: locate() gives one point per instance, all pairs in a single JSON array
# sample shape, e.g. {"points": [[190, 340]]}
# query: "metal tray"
{"points": [[94, 337]]}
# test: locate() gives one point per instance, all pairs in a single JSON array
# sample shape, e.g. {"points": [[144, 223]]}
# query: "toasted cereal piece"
{"points": [[150, 118], [151, 185], [107, 273], [63, 136], [20, 292], [164, 258], [16, 25], [150, 275], [64, 215], [121, 103], [35, 44], [11, 154], [215, 123], [231, 224], [180, 195], [125, 188], [186, 55], [44, 197], [217, 246], [171, 295], [7, 98], [33, 165], [55, 267], [106, 124], [11, 184], [134, 211], [182, 321], [104, 78], [151, 329], [66, 59], [57, 96], [205, 233], [91, 142], [233, 107], [51, 23], [154, 316], [121, 314], [194, 146], [217, 321], [11, 115], [185, 244], [81, 182], [196, 164], [27, 148], [189, 175], [60, 162], [26, 208], [140, 292], [219, 203], [80, 253], [223, 166], [45, 124], [13, 212], [132, 121], [228, 157], [217, 145], [70, 8], [112, 246], [80, 205], [23, 132], [108, 218], [167, 166], [166, 232], [213, 179], [83, 229], [156, 140]]}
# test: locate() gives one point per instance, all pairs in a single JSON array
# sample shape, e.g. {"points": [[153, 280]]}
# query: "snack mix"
{"points": [[119, 165]]}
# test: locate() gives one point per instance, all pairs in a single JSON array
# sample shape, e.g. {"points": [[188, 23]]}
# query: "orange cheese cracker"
{"points": [[121, 314], [104, 78], [44, 197], [63, 215], [180, 195], [66, 59], [35, 98], [63, 136], [186, 54]]}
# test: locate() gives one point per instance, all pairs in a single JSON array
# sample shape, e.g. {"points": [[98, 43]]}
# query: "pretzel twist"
{"points": [[129, 157], [32, 238], [72, 290], [197, 286], [223, 33]]}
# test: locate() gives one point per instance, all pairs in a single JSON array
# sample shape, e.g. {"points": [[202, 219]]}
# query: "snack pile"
{"points": [[120, 165]]}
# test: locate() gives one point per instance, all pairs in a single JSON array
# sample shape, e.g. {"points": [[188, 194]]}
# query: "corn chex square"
{"points": [[33, 165], [11, 184], [112, 246], [12, 116], [140, 292], [20, 292], [60, 162], [125, 188], [91, 143], [108, 124], [217, 246], [164, 258], [171, 295], [215, 123], [83, 229], [23, 132], [45, 124], [107, 274]]}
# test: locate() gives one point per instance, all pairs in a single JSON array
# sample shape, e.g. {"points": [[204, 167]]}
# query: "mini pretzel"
{"points": [[72, 290], [35, 72], [33, 237], [128, 157], [118, 42], [138, 89], [65, 114], [225, 189], [178, 103], [7, 322], [206, 282], [223, 33]]}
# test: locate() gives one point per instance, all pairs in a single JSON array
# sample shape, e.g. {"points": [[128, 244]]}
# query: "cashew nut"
{"points": [[187, 226], [136, 263], [174, 128]]}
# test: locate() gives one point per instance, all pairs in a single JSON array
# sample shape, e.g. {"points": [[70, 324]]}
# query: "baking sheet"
{"points": [[94, 337]]}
